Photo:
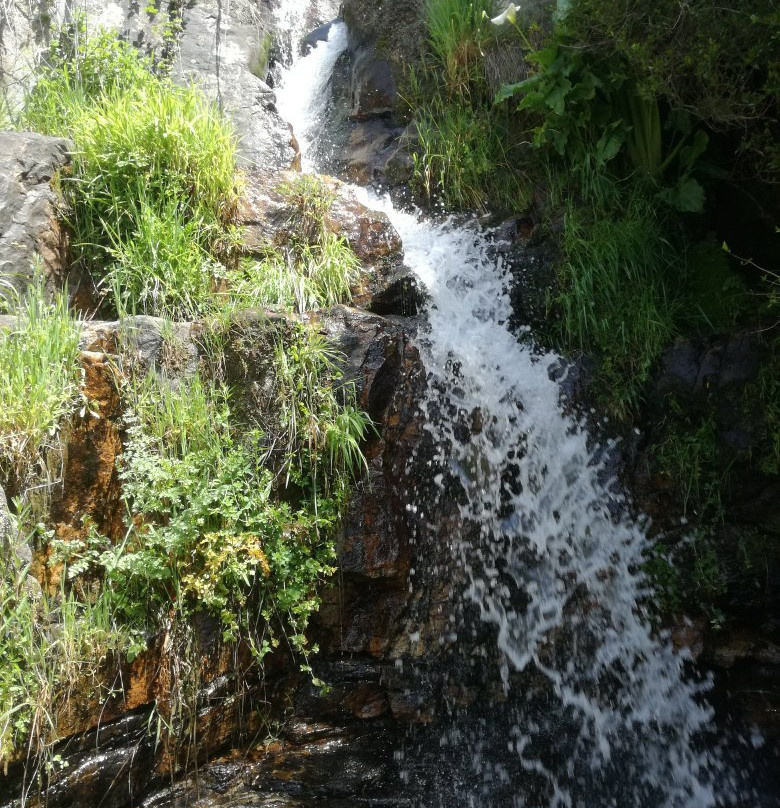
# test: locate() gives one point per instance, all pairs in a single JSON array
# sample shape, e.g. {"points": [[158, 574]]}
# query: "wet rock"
{"points": [[689, 635], [394, 29], [313, 38], [368, 232], [398, 166], [738, 646], [373, 88], [372, 611], [343, 764], [29, 229], [403, 295], [530, 262], [90, 484], [364, 140], [267, 215], [371, 153]]}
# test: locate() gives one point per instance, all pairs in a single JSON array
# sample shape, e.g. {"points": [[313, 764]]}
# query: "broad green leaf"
{"points": [[556, 97], [687, 196]]}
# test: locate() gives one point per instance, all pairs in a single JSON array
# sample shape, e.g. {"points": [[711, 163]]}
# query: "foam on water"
{"points": [[301, 96], [555, 563]]}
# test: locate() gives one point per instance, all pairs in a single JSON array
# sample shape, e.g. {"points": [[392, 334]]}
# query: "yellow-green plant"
{"points": [[39, 381], [152, 190]]}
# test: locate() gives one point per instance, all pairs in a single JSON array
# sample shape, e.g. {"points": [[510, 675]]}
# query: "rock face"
{"points": [[220, 52], [393, 28], [29, 229], [366, 613]]}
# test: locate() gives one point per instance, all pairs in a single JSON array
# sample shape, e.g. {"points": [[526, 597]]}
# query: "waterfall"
{"points": [[550, 555]]}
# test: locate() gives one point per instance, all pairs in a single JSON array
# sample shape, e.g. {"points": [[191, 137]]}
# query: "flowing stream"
{"points": [[548, 552]]}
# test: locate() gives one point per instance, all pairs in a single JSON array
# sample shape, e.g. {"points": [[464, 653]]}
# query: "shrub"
{"points": [[206, 527]]}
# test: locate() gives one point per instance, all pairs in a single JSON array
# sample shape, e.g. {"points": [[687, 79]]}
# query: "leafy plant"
{"points": [[591, 109]]}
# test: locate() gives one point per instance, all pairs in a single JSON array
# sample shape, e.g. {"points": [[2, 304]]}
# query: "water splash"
{"points": [[302, 98], [552, 557]]}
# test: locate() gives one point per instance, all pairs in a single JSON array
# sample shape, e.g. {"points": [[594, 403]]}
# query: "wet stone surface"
{"points": [[311, 764]]}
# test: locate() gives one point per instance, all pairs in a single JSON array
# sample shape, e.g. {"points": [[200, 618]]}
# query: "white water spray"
{"points": [[554, 567], [302, 98]]}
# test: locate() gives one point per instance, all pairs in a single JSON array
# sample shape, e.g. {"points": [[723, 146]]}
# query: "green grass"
{"points": [[51, 649], [163, 267], [153, 188], [301, 277], [312, 268], [617, 297], [467, 159], [39, 383], [456, 32], [470, 152]]}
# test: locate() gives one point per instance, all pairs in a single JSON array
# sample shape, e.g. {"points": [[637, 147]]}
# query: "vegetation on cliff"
{"points": [[231, 504]]}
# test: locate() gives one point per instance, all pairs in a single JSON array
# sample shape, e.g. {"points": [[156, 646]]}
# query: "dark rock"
{"points": [[373, 88], [531, 271], [370, 148], [393, 28], [319, 34], [403, 295], [29, 228], [399, 165], [693, 370]]}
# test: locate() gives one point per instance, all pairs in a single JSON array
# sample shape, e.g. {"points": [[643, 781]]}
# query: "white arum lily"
{"points": [[509, 14]]}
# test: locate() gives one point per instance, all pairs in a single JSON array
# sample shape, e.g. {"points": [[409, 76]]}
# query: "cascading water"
{"points": [[547, 549]]}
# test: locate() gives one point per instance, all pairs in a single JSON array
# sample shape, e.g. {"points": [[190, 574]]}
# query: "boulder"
{"points": [[29, 229], [373, 87], [267, 216]]}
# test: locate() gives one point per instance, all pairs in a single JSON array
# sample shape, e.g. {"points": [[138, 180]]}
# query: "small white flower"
{"points": [[508, 14]]}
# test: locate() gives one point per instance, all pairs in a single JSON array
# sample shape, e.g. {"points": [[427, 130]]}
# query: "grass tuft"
{"points": [[39, 382]]}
